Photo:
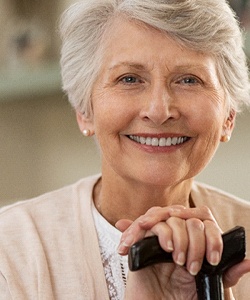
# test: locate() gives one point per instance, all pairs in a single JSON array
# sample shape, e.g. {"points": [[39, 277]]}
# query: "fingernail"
{"points": [[181, 258], [170, 246], [126, 243], [194, 268], [214, 258], [121, 249]]}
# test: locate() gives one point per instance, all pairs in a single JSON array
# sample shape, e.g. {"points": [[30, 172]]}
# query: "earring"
{"points": [[225, 138], [86, 132]]}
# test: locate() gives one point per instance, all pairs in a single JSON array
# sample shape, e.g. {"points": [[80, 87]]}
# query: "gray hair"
{"points": [[209, 26]]}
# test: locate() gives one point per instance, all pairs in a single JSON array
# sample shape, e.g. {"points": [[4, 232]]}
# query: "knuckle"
{"points": [[214, 237], [212, 226], [196, 224], [159, 228], [153, 210], [206, 211], [175, 221]]}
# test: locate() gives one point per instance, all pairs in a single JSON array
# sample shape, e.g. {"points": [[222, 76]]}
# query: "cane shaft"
{"points": [[209, 287]]}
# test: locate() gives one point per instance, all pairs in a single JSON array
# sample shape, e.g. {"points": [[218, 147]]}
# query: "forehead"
{"points": [[130, 41]]}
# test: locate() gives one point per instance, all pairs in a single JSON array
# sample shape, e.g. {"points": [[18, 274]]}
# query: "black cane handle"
{"points": [[209, 280]]}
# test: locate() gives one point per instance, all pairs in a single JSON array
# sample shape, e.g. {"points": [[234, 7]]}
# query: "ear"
{"points": [[228, 125], [85, 123], [230, 122]]}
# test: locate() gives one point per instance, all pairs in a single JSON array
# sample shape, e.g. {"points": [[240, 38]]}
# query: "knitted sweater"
{"points": [[49, 245]]}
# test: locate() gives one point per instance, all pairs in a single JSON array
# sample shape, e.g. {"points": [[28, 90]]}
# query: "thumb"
{"points": [[233, 275]]}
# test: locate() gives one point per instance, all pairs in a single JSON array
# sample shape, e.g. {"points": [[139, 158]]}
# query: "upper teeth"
{"points": [[162, 142]]}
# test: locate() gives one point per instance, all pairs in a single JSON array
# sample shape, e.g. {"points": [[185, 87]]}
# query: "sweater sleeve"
{"points": [[4, 290]]}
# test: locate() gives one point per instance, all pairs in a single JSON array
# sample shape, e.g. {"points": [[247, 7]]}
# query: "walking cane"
{"points": [[209, 283]]}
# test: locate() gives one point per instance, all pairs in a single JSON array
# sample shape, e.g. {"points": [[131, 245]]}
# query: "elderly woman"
{"points": [[159, 84]]}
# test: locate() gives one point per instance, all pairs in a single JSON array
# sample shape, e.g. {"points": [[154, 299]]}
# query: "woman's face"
{"points": [[159, 109]]}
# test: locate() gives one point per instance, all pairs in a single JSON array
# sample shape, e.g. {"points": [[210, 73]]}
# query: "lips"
{"points": [[161, 142]]}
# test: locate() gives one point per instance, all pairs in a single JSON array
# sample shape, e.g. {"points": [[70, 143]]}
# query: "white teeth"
{"points": [[174, 140], [148, 141], [162, 142], [142, 140], [155, 142], [169, 142]]}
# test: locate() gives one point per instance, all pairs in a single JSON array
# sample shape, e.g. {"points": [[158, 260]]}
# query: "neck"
{"points": [[119, 198]]}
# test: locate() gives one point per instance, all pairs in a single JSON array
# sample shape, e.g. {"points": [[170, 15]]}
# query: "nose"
{"points": [[159, 105]]}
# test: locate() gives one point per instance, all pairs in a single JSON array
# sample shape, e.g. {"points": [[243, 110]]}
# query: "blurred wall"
{"points": [[41, 148]]}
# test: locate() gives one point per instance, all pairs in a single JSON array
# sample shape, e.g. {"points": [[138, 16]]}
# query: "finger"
{"points": [[203, 213], [131, 235], [233, 275], [136, 231], [180, 239], [213, 233], [164, 233], [197, 245], [158, 214], [214, 242], [123, 224]]}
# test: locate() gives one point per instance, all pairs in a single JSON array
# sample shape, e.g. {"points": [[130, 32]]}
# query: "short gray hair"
{"points": [[209, 26]]}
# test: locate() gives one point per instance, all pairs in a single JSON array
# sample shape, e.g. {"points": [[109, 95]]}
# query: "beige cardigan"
{"points": [[49, 248]]}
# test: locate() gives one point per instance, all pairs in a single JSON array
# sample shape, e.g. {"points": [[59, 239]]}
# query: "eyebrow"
{"points": [[178, 68], [132, 65], [193, 66]]}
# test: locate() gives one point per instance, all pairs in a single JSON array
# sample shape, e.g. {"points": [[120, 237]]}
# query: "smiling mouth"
{"points": [[159, 142]]}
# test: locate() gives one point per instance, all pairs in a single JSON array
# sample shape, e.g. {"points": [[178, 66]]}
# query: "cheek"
{"points": [[206, 113], [208, 134], [112, 113]]}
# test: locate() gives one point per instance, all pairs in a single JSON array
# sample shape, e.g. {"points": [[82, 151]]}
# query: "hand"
{"points": [[161, 281], [179, 230], [233, 275]]}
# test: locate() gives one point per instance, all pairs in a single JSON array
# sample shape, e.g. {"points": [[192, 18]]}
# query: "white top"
{"points": [[115, 266]]}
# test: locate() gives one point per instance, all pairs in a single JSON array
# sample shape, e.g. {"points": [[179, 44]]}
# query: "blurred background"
{"points": [[41, 148]]}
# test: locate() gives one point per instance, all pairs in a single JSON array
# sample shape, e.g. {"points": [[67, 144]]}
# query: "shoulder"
{"points": [[50, 206], [229, 210], [44, 237], [209, 193]]}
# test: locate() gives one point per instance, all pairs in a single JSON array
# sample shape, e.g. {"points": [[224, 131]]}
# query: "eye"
{"points": [[189, 80], [129, 79]]}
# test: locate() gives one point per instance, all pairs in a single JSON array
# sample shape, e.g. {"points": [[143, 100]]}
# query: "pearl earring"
{"points": [[225, 138], [86, 132]]}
